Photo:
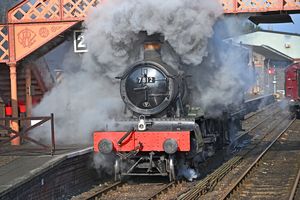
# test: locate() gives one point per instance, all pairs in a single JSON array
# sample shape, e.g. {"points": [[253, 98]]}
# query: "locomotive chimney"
{"points": [[152, 47]]}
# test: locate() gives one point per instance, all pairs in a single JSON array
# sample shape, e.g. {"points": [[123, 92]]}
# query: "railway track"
{"points": [[254, 125], [265, 132], [126, 190], [265, 109], [98, 193], [160, 191], [275, 173], [297, 190], [261, 115], [262, 130]]}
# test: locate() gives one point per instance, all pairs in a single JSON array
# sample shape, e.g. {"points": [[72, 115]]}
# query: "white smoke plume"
{"points": [[103, 164], [185, 24], [223, 79], [89, 95], [188, 173], [226, 73]]}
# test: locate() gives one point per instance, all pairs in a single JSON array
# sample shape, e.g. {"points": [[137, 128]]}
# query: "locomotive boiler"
{"points": [[162, 130]]}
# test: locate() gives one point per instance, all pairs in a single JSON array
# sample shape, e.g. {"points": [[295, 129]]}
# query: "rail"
{"points": [[98, 194], [210, 181], [296, 183], [244, 175], [23, 133], [246, 133], [156, 194], [262, 110], [252, 105]]}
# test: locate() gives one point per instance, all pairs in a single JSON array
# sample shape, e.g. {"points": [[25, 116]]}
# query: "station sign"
{"points": [[80, 45]]}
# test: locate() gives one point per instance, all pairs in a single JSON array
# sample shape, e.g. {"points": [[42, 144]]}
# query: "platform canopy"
{"points": [[277, 45]]}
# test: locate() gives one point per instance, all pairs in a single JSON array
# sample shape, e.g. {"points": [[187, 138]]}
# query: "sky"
{"points": [[285, 27]]}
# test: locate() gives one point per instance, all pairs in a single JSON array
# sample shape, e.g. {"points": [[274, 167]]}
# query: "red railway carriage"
{"points": [[292, 87]]}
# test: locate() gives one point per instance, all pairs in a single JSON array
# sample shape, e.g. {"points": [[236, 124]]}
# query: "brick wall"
{"points": [[69, 178]]}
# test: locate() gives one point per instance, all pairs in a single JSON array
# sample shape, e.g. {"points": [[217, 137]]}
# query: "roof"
{"points": [[271, 53], [273, 18], [285, 45], [279, 32]]}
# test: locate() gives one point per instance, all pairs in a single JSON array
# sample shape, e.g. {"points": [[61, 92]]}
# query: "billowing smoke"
{"points": [[222, 79], [103, 164], [88, 97], [113, 29]]}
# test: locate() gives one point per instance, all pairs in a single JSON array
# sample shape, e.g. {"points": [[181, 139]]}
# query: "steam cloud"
{"points": [[88, 98]]}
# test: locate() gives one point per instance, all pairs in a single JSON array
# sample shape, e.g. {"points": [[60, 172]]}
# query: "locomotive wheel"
{"points": [[172, 175], [117, 169]]}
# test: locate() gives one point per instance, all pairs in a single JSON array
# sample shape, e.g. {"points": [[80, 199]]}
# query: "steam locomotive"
{"points": [[163, 131], [292, 88]]}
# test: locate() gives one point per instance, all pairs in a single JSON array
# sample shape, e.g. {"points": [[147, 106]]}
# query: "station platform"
{"points": [[22, 164], [249, 97], [254, 103]]}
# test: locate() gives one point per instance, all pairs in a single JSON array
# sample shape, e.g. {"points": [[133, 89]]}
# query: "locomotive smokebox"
{"points": [[150, 87]]}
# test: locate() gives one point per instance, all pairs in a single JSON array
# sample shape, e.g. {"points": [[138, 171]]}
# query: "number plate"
{"points": [[146, 80], [79, 42]]}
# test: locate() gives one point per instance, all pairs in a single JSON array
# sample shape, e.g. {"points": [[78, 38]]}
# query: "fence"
{"points": [[25, 130]]}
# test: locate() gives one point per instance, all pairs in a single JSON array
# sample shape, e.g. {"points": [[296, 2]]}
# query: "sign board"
{"points": [[79, 42]]}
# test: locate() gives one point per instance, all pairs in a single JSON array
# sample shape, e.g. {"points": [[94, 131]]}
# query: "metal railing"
{"points": [[25, 130], [50, 10], [250, 6], [3, 43]]}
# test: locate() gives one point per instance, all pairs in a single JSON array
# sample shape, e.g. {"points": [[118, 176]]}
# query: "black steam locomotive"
{"points": [[162, 131]]}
